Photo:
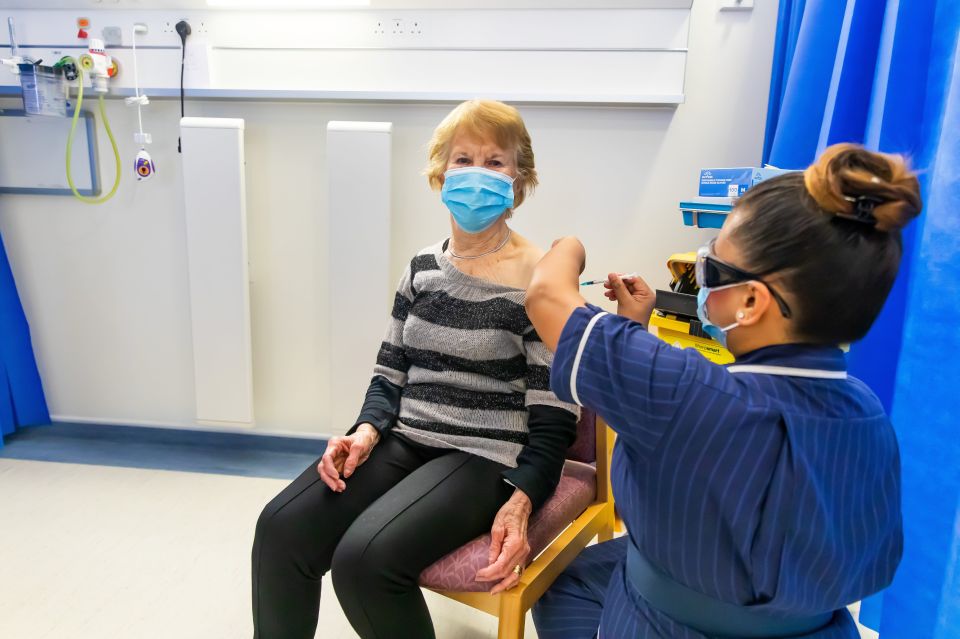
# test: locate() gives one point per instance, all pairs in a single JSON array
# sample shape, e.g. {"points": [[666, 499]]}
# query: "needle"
{"points": [[623, 276]]}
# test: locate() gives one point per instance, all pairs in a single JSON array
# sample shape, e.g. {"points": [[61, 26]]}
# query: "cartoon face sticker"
{"points": [[144, 166]]}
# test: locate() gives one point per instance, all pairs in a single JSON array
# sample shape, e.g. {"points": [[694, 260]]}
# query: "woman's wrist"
{"points": [[521, 499], [370, 431]]}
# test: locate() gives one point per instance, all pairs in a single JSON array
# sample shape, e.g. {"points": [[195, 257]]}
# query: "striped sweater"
{"points": [[462, 367]]}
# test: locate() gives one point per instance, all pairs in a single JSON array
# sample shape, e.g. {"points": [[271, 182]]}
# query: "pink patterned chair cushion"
{"points": [[577, 490]]}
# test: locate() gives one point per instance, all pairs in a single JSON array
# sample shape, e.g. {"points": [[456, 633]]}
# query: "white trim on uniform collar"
{"points": [[576, 359], [786, 371]]}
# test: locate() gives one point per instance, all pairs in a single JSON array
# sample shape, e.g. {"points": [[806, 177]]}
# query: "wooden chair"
{"points": [[580, 509]]}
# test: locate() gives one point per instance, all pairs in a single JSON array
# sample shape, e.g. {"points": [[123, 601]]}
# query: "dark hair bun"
{"points": [[846, 172]]}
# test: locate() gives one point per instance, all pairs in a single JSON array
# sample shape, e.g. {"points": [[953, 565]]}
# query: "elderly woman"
{"points": [[459, 433]]}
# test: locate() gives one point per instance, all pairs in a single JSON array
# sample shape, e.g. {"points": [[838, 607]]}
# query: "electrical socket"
{"points": [[170, 26], [399, 27]]}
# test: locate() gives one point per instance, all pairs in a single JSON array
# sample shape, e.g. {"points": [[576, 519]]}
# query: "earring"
{"points": [[740, 315]]}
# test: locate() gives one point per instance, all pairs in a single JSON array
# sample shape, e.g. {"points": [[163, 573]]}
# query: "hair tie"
{"points": [[863, 207]]}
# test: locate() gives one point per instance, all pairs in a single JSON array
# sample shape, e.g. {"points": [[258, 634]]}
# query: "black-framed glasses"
{"points": [[713, 273]]}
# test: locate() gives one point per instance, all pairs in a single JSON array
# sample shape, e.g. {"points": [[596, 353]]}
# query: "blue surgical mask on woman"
{"points": [[716, 332], [476, 196]]}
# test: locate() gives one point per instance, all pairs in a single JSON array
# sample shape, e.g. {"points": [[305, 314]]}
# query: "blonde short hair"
{"points": [[491, 120]]}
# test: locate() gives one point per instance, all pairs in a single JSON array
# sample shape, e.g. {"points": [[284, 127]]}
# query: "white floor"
{"points": [[95, 552]]}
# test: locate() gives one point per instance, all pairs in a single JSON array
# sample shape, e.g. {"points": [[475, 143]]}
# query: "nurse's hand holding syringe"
{"points": [[554, 292], [635, 299]]}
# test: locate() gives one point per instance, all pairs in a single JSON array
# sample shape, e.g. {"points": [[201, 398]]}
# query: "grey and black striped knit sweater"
{"points": [[462, 367]]}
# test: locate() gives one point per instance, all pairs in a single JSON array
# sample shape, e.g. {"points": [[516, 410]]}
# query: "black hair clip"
{"points": [[863, 207]]}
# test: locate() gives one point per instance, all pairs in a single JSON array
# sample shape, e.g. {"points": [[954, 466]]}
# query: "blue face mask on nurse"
{"points": [[713, 274]]}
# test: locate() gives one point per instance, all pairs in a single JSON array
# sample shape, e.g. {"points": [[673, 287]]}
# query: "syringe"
{"points": [[623, 276]]}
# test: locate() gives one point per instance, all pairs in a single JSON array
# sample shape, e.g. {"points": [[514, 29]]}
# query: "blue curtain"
{"points": [[21, 394], [885, 73]]}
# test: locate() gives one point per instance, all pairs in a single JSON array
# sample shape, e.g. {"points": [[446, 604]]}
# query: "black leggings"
{"points": [[403, 509]]}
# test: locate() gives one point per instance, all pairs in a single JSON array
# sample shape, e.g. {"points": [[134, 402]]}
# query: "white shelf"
{"points": [[630, 57], [383, 96]]}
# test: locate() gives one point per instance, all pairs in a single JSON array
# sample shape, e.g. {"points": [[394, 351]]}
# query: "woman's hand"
{"points": [[509, 547], [344, 454], [635, 299]]}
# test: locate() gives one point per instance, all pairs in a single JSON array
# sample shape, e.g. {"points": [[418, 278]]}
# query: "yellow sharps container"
{"points": [[674, 318]]}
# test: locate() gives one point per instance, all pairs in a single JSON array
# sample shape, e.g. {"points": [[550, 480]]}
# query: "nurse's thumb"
{"points": [[627, 304], [619, 288]]}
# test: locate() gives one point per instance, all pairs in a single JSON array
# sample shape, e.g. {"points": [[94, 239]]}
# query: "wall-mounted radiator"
{"points": [[360, 287], [216, 229]]}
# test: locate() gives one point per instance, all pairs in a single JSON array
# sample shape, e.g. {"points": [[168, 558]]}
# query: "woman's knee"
{"points": [[364, 559], [283, 535], [351, 557], [271, 527], [271, 534]]}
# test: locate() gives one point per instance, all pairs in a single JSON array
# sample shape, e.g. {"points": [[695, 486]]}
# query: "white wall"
{"points": [[105, 288]]}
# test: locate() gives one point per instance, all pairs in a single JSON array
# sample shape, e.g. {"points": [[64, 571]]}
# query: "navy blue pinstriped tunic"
{"points": [[780, 491]]}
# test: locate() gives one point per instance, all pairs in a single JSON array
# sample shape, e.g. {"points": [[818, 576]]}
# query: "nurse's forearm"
{"points": [[554, 291]]}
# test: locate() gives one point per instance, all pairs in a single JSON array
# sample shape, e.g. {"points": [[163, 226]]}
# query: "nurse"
{"points": [[763, 497]]}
